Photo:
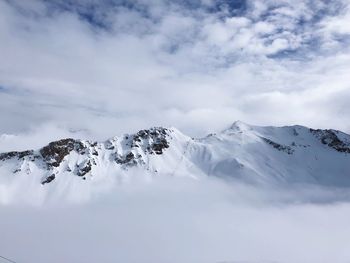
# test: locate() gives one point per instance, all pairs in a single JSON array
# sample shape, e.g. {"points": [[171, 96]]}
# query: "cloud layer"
{"points": [[116, 66], [179, 220]]}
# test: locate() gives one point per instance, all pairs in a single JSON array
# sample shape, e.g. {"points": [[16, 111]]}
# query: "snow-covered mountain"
{"points": [[251, 154]]}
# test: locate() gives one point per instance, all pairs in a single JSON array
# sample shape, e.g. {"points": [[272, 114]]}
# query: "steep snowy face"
{"points": [[292, 154], [251, 154]]}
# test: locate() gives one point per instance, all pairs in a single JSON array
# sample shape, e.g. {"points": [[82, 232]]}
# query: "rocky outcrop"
{"points": [[155, 140], [127, 159], [330, 138], [84, 169], [151, 141], [18, 155], [48, 179], [54, 153], [280, 147], [54, 157]]}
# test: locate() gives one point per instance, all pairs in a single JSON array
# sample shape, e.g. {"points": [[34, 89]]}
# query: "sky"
{"points": [[90, 68]]}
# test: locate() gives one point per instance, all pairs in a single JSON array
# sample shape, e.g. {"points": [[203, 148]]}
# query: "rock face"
{"points": [[152, 141], [243, 152], [80, 157], [155, 139], [54, 153], [330, 138], [49, 179], [280, 147], [18, 155]]}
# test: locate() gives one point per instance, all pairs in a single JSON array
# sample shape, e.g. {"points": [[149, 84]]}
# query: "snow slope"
{"points": [[250, 154]]}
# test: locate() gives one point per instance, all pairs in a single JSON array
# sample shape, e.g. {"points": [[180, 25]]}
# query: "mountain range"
{"points": [[251, 154]]}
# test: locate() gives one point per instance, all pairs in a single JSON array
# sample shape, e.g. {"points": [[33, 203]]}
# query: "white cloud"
{"points": [[171, 65], [180, 220]]}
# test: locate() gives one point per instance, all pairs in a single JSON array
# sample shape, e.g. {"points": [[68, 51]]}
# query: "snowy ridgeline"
{"points": [[249, 154]]}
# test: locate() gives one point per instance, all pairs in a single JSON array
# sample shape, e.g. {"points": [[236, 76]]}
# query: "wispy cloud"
{"points": [[124, 65]]}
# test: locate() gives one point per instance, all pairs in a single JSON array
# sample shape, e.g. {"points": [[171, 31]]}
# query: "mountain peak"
{"points": [[240, 126], [292, 154]]}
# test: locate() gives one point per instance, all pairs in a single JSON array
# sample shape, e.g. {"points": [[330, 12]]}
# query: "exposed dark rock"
{"points": [[85, 169], [151, 141], [127, 159], [109, 146], [54, 153], [18, 155], [154, 138], [48, 179], [143, 134], [280, 147], [330, 138], [160, 145]]}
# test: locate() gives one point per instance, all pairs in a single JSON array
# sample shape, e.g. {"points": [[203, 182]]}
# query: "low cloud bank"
{"points": [[181, 220]]}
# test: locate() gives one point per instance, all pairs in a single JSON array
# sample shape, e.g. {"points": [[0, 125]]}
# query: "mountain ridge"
{"points": [[251, 154]]}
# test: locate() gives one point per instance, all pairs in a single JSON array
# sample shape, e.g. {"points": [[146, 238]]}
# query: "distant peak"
{"points": [[240, 125], [237, 126], [239, 122]]}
